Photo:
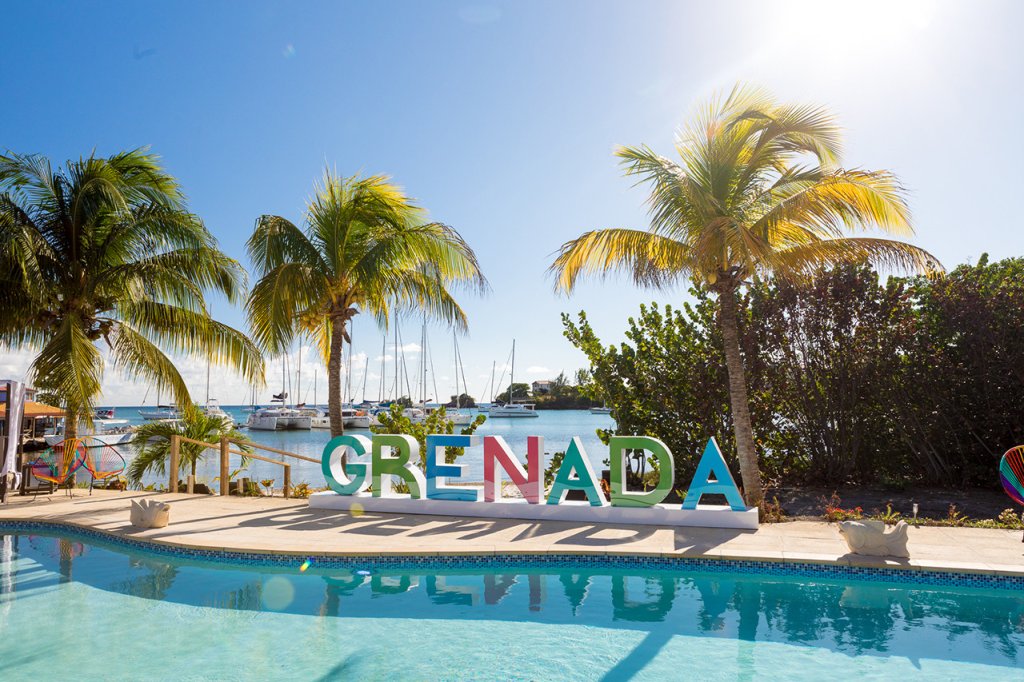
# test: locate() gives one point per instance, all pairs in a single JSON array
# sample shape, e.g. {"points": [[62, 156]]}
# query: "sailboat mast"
{"points": [[494, 364], [512, 372], [348, 367], [383, 354], [366, 369], [207, 380], [455, 346], [298, 375]]}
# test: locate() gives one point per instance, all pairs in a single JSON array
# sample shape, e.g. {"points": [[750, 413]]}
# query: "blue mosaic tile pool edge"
{"points": [[902, 576]]}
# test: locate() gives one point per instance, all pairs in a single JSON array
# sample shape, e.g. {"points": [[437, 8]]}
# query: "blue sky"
{"points": [[501, 118]]}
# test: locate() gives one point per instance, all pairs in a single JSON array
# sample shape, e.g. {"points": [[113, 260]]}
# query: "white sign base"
{"points": [[704, 516]]}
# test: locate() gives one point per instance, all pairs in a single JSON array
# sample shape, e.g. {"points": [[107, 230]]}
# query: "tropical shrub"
{"points": [[153, 443], [851, 380], [668, 380], [437, 422]]}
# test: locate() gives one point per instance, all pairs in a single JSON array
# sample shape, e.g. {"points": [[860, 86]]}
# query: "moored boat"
{"points": [[104, 432], [514, 410], [160, 412], [213, 409], [279, 419], [351, 418]]}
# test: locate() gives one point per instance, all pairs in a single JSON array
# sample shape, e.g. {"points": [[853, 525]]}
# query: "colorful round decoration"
{"points": [[1011, 473]]}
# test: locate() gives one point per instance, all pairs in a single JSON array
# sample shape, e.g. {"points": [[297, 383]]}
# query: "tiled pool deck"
{"points": [[276, 525]]}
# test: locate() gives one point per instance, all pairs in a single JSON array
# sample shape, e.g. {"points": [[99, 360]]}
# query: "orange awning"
{"points": [[34, 409]]}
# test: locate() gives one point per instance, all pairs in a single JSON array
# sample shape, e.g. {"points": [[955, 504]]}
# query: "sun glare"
{"points": [[834, 29]]}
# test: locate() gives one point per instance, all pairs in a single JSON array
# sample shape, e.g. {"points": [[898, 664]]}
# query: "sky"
{"points": [[501, 118]]}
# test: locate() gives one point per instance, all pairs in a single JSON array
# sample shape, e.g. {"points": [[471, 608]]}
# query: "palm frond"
{"points": [[185, 331], [279, 300], [100, 242], [652, 260], [886, 254], [139, 358], [70, 364]]}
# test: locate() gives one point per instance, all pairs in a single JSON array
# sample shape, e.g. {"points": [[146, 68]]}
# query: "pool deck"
{"points": [[277, 525]]}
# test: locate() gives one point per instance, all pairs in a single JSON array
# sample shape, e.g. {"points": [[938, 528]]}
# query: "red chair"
{"points": [[58, 464]]}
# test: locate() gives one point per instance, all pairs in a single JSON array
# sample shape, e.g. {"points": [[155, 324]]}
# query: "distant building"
{"points": [[542, 387]]}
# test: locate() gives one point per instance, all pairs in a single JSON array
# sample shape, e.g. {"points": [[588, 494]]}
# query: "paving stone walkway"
{"points": [[290, 526]]}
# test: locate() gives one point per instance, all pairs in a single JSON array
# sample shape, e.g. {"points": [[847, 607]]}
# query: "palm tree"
{"points": [[155, 439], [366, 247], [104, 250], [757, 191]]}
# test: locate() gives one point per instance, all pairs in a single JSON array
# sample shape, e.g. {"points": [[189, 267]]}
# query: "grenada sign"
{"points": [[392, 458]]}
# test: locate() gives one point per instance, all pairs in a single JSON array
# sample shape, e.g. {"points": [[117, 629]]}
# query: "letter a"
{"points": [[713, 478]]}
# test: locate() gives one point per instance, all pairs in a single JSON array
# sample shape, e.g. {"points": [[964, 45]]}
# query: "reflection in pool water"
{"points": [[509, 622]]}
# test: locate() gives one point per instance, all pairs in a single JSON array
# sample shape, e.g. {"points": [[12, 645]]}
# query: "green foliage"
{"points": [[955, 517], [437, 422], [668, 380], [889, 516], [828, 350], [518, 391], [565, 395], [552, 468], [1008, 518], [461, 400], [851, 380], [105, 250], [153, 443], [301, 491]]}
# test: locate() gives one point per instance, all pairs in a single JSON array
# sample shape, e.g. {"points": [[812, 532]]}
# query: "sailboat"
{"points": [[486, 407], [320, 421], [456, 415], [351, 418], [160, 411], [513, 409], [212, 408], [280, 417]]}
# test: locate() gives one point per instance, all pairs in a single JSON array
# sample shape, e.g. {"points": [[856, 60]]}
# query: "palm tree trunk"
{"points": [[738, 399], [70, 424], [334, 375]]}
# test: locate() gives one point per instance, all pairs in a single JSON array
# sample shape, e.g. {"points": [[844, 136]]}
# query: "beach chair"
{"points": [[58, 464], [1011, 474], [102, 464]]}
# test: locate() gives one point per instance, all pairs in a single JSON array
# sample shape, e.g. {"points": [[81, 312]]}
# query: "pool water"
{"points": [[88, 610]]}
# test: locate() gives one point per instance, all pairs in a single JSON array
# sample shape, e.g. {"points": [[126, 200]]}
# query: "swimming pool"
{"points": [[73, 605]]}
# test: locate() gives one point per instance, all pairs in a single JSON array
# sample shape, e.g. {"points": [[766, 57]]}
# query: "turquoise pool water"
{"points": [[87, 610]]}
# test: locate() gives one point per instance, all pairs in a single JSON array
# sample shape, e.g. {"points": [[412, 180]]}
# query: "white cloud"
{"points": [[536, 369]]}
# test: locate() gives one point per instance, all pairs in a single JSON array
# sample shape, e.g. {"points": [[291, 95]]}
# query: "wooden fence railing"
{"points": [[224, 446]]}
